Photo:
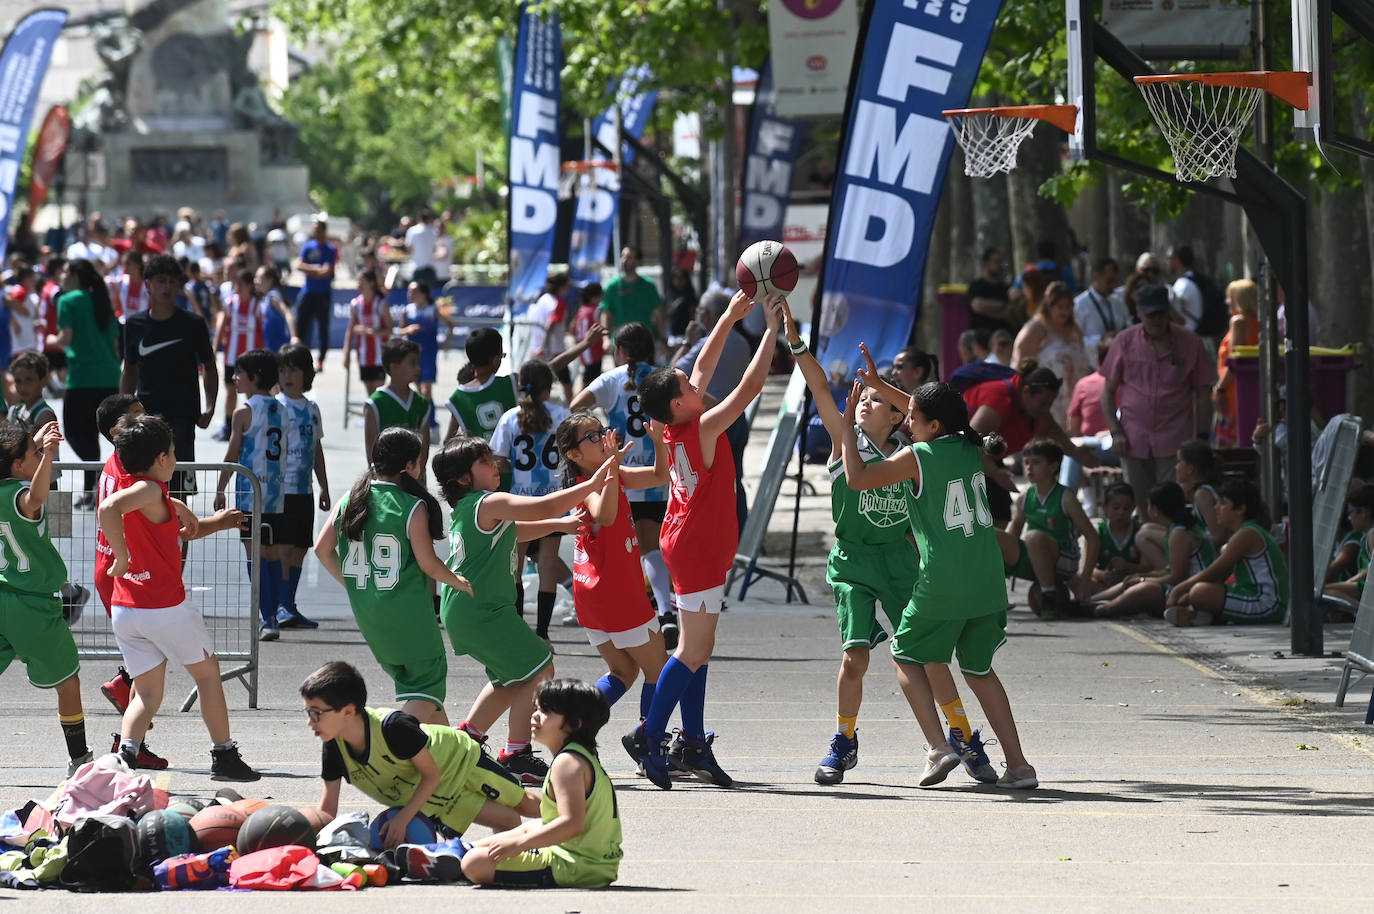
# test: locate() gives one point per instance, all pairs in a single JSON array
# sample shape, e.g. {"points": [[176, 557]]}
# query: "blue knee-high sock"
{"points": [[611, 687], [646, 698], [287, 598], [269, 589], [672, 682], [694, 705]]}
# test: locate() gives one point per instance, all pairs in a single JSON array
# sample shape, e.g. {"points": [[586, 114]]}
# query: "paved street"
{"points": [[1176, 768]]}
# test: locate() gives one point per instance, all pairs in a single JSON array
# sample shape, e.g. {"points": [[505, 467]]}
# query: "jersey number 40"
{"points": [[964, 508]]}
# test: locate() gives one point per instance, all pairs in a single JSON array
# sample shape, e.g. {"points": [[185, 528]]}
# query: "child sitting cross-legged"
{"points": [[1189, 550], [1350, 567], [1118, 555]]}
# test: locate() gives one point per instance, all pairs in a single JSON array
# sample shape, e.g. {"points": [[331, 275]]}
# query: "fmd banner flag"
{"points": [[769, 160], [598, 201], [914, 60], [23, 64], [534, 155]]}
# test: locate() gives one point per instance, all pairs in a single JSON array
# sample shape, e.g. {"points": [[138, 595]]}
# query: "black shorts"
{"points": [[297, 526], [648, 510], [57, 358], [183, 482], [273, 529], [999, 504], [564, 375], [590, 373], [371, 373], [532, 547]]}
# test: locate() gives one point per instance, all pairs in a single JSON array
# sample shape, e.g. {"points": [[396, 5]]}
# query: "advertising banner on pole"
{"points": [[533, 152], [598, 201], [23, 64], [812, 43], [913, 62], [770, 157], [47, 155]]}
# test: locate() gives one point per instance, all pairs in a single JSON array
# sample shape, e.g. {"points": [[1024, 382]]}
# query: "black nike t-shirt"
{"points": [[168, 354]]}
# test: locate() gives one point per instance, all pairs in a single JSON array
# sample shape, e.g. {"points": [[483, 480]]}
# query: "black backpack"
{"points": [[1216, 317], [102, 855]]}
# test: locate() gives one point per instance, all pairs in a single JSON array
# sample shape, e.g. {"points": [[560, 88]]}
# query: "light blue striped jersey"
{"points": [[534, 460], [624, 416], [303, 431], [263, 451]]}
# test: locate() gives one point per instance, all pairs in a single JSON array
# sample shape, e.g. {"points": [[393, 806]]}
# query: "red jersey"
{"points": [[153, 580], [368, 313], [608, 579], [700, 532], [112, 479], [242, 327], [1003, 397], [128, 297], [582, 322]]}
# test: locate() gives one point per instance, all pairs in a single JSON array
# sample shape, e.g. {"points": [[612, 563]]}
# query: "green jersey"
{"points": [[392, 411], [874, 517], [592, 859], [386, 587], [1203, 553], [477, 408], [1266, 573], [29, 562], [32, 415], [485, 557], [1113, 548], [1047, 515], [392, 781], [961, 573]]}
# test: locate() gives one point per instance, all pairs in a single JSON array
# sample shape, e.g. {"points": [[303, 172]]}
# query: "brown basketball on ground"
{"points": [[248, 805], [275, 826], [317, 817], [216, 826]]}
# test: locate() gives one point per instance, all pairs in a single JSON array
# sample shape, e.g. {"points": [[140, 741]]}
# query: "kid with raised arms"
{"points": [[1190, 551], [379, 545], [959, 605], [699, 539], [617, 394], [304, 456], [872, 561], [484, 527], [608, 589]]}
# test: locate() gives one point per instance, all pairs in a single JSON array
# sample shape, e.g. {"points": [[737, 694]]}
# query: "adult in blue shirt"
{"points": [[313, 308]]}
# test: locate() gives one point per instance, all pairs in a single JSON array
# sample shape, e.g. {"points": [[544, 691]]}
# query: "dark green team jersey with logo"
{"points": [[872, 517]]}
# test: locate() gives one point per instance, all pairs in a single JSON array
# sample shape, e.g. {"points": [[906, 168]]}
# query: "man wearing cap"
{"points": [[1018, 409], [317, 259], [1158, 391]]}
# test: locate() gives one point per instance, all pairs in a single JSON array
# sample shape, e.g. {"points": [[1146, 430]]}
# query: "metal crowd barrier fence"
{"points": [[216, 576]]}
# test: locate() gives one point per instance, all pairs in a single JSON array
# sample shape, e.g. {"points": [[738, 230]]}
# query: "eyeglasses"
{"points": [[592, 437], [314, 714]]}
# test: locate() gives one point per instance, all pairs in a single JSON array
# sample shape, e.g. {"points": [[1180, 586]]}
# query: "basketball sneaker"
{"points": [[268, 631], [972, 754], [696, 757], [80, 760], [227, 765], [118, 689], [146, 757], [442, 862], [652, 764], [290, 617], [74, 598], [843, 755], [1024, 780], [525, 765], [667, 624], [940, 761]]}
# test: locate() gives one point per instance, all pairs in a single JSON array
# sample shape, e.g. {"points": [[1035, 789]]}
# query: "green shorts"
{"points": [[862, 576], [975, 641], [1249, 605], [488, 780], [32, 629], [425, 679], [497, 638], [1065, 567], [527, 870]]}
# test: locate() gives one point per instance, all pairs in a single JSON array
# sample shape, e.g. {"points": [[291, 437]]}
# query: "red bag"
{"points": [[283, 868]]}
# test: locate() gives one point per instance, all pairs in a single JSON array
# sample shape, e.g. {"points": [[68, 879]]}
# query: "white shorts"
{"points": [[710, 600], [630, 637], [149, 637]]}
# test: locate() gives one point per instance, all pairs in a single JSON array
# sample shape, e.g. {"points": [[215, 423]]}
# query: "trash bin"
{"points": [[1329, 372]]}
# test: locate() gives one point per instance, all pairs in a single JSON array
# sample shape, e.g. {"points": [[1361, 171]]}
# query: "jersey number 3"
{"points": [[964, 508]]}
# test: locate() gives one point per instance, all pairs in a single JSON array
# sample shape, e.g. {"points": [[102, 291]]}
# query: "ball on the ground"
{"points": [[248, 806], [317, 817], [163, 834], [216, 826], [766, 268], [275, 826], [420, 830], [186, 807]]}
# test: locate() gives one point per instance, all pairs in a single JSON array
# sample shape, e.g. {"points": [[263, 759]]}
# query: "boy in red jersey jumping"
{"points": [[699, 539]]}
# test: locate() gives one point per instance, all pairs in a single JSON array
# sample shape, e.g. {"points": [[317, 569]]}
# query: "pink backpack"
{"points": [[99, 791]]}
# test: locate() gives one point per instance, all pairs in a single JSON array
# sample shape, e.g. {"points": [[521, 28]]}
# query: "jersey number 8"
{"points": [[961, 511], [384, 569]]}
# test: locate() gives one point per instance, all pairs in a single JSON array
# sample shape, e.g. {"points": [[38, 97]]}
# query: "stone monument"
{"points": [[182, 120]]}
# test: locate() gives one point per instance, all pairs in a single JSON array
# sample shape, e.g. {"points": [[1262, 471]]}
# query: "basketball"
{"points": [[216, 826], [186, 807], [275, 826], [162, 834], [766, 268], [248, 806], [317, 817], [419, 831]]}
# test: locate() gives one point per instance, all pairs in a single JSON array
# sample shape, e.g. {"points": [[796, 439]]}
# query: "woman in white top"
{"points": [[1053, 339]]}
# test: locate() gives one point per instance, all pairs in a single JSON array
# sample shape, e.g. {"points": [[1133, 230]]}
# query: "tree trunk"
{"points": [[926, 332], [1128, 224], [962, 264], [992, 216], [1035, 218]]}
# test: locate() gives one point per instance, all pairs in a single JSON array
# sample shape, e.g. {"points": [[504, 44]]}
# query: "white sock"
{"points": [[656, 570]]}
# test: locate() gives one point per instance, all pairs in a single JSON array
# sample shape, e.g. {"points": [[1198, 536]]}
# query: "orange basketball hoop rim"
{"points": [[583, 167], [1062, 116], [1291, 86]]}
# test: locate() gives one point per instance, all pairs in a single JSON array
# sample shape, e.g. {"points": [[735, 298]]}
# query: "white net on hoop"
{"points": [[989, 141], [1202, 124]]}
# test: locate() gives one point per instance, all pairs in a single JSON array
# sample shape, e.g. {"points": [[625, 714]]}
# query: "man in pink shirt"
{"points": [[1157, 391]]}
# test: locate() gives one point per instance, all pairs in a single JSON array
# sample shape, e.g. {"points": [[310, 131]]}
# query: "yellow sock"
{"points": [[958, 720], [847, 725]]}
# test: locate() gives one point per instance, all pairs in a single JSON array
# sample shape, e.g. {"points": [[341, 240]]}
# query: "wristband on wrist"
{"points": [[798, 347]]}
